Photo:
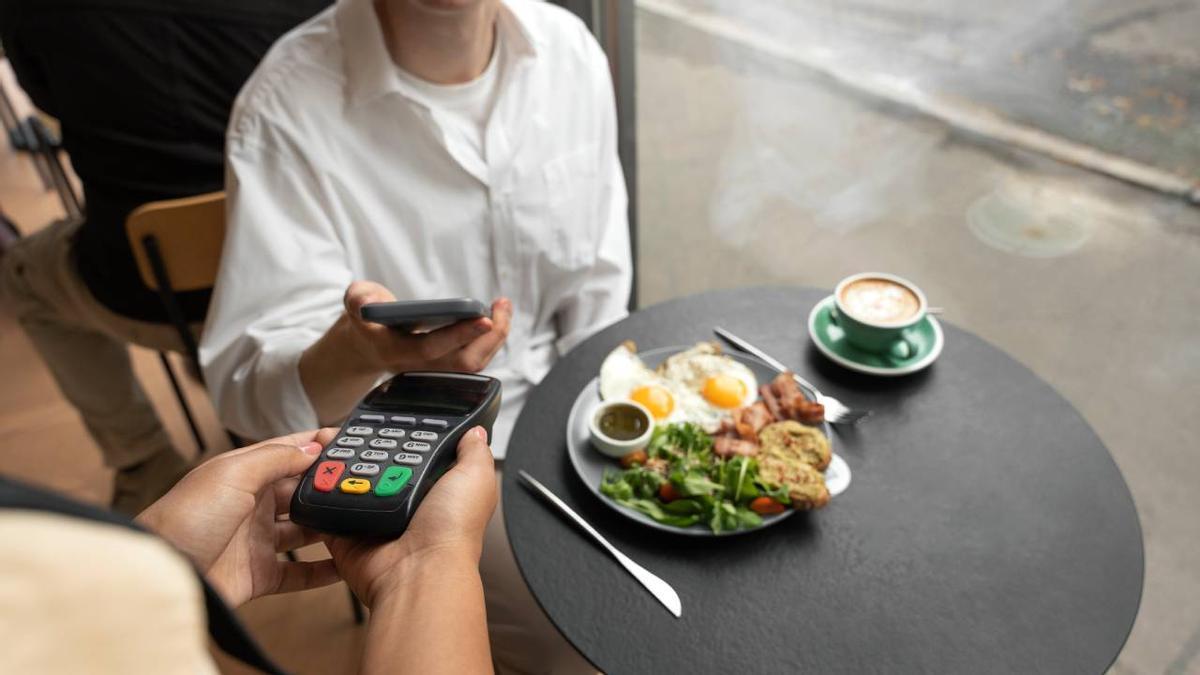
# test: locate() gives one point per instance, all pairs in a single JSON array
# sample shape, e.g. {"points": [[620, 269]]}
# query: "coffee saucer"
{"points": [[926, 336]]}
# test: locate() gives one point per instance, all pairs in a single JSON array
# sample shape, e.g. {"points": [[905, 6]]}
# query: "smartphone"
{"points": [[423, 316]]}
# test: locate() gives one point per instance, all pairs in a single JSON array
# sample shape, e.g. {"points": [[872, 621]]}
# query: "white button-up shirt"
{"points": [[338, 171]]}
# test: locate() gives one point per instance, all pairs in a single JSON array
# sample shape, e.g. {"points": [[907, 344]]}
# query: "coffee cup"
{"points": [[874, 309]]}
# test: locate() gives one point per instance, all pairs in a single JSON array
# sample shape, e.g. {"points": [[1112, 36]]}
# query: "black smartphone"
{"points": [[422, 316]]}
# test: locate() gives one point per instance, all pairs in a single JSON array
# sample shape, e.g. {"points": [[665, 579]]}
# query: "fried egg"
{"points": [[723, 383], [623, 375]]}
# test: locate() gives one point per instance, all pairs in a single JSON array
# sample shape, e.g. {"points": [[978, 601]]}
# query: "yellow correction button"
{"points": [[356, 486]]}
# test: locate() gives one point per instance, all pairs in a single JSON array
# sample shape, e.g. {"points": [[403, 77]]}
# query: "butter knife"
{"points": [[660, 589]]}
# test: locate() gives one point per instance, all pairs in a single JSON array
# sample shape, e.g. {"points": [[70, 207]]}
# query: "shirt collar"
{"points": [[369, 70]]}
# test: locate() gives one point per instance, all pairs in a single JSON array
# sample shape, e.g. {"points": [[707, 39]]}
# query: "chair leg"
{"points": [[187, 410]]}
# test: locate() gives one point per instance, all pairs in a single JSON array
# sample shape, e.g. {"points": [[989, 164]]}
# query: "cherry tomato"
{"points": [[766, 506], [633, 459]]}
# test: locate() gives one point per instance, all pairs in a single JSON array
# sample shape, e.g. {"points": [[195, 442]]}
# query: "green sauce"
{"points": [[623, 423]]}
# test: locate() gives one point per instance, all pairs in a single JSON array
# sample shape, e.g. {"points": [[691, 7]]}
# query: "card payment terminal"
{"points": [[395, 444]]}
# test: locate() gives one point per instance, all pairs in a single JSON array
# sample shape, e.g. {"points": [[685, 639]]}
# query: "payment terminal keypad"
{"points": [[363, 460]]}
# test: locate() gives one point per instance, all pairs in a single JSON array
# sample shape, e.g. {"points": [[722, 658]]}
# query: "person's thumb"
{"points": [[474, 455], [266, 464], [361, 293]]}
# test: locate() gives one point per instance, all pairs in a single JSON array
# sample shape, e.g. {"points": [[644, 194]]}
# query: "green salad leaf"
{"points": [[655, 510], [706, 488]]}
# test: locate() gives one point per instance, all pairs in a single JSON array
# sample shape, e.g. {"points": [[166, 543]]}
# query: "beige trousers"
{"points": [[523, 639], [84, 345]]}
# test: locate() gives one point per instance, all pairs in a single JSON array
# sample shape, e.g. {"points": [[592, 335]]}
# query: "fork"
{"points": [[836, 412]]}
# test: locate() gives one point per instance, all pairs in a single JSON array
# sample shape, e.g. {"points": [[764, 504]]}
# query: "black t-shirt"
{"points": [[143, 90]]}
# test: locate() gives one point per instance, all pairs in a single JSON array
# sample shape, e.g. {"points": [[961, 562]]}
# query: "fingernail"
{"points": [[480, 433], [311, 448]]}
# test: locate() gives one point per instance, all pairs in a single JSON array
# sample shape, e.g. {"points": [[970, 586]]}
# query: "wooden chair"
{"points": [[177, 246]]}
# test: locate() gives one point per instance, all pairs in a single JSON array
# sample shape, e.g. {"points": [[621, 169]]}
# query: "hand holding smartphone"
{"points": [[424, 316]]}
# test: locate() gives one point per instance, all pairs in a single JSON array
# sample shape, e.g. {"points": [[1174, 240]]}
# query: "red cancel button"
{"points": [[327, 476]]}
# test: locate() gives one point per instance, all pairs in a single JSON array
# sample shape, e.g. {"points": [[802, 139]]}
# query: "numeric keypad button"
{"points": [[383, 443], [407, 458], [349, 441], [359, 431], [424, 436], [356, 486], [393, 480], [416, 446], [326, 477], [339, 453], [373, 456], [364, 469], [391, 433]]}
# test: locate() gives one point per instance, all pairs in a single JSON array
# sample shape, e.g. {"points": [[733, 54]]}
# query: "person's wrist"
{"points": [[353, 350], [148, 520], [444, 563]]}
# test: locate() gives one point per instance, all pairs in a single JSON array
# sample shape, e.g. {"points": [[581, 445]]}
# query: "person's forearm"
{"points": [[431, 619], [335, 376]]}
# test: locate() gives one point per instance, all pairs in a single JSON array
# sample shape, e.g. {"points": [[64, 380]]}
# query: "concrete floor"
{"points": [[1122, 76], [752, 171]]}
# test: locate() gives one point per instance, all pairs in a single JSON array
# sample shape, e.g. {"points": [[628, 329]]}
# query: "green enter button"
{"points": [[392, 481]]}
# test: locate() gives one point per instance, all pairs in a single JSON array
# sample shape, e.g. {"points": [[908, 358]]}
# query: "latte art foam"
{"points": [[880, 301]]}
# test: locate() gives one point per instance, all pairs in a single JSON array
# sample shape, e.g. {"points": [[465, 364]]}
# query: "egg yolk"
{"points": [[724, 391], [657, 400]]}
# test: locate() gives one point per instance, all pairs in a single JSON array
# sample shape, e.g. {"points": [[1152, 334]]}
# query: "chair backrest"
{"points": [[188, 234]]}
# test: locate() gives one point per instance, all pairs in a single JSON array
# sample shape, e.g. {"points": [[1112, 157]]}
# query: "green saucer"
{"points": [[926, 336]]}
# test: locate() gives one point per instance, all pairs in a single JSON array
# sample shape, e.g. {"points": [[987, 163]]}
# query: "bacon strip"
{"points": [[772, 401], [781, 399], [793, 403], [727, 430], [810, 412], [751, 419], [729, 447]]}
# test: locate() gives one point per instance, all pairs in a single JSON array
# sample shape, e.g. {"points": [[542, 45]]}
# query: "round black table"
{"points": [[986, 528]]}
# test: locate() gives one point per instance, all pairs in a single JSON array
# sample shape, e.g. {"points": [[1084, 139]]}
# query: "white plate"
{"points": [[590, 464]]}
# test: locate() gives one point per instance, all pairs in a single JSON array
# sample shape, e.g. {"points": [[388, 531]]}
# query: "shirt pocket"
{"points": [[556, 210]]}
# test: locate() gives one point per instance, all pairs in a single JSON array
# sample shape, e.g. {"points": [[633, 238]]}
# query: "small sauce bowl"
{"points": [[620, 427]]}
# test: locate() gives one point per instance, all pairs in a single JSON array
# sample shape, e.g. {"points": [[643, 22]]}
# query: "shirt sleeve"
{"points": [[282, 278], [601, 295]]}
